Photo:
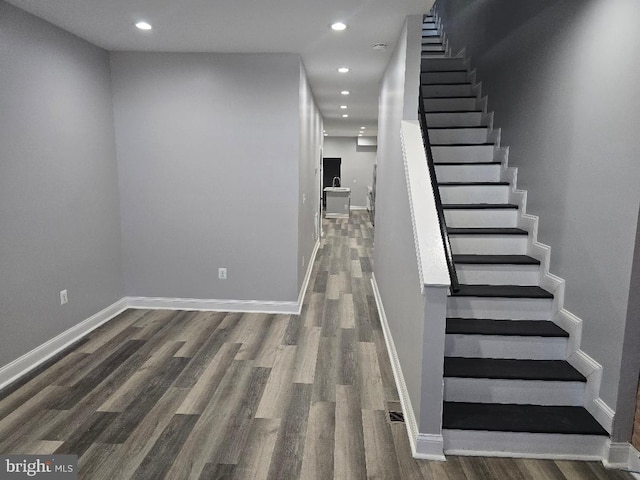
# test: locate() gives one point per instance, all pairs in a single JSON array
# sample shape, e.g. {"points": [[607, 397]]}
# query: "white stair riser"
{"points": [[458, 135], [431, 40], [533, 445], [496, 346], [451, 119], [443, 77], [444, 65], [489, 244], [474, 194], [468, 173], [490, 217], [467, 154], [500, 308], [446, 90], [523, 392], [434, 54], [449, 104], [498, 274]]}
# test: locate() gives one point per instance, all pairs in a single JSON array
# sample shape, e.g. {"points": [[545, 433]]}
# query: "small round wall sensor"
{"points": [[380, 47]]}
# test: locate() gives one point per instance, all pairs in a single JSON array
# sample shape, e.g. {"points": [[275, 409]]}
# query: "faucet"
{"points": [[333, 184]]}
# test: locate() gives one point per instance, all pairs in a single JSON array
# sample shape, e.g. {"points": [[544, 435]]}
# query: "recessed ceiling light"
{"points": [[362, 128], [343, 69], [343, 107], [338, 26], [359, 134], [345, 116], [345, 92], [144, 26], [326, 134]]}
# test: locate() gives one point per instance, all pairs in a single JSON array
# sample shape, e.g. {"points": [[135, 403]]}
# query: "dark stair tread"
{"points": [[459, 127], [519, 418], [466, 164], [479, 206], [475, 259], [485, 231], [444, 71], [484, 144], [455, 111], [511, 369], [443, 83], [518, 328], [504, 291], [450, 96], [473, 184]]}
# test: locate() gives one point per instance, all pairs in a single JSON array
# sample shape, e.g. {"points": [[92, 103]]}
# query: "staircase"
{"points": [[508, 388]]}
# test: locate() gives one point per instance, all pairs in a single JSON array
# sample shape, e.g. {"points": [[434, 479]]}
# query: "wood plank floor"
{"points": [[203, 395]]}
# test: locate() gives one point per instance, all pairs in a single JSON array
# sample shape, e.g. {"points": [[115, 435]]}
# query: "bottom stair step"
{"points": [[519, 418]]}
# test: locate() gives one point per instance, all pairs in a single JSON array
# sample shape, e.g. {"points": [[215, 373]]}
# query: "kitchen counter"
{"points": [[338, 202]]}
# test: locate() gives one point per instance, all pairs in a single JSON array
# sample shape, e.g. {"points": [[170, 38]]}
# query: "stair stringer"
{"points": [[562, 317]]}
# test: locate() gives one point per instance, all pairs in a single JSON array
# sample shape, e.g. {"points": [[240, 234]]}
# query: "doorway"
{"points": [[330, 170]]}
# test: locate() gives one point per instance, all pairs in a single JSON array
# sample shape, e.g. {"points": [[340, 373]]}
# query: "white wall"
{"points": [[59, 214], [309, 174], [395, 260], [356, 169], [561, 76], [208, 155]]}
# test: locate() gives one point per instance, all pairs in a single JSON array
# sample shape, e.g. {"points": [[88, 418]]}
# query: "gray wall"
{"points": [[395, 261], [356, 169], [309, 174], [58, 183], [208, 168], [561, 76]]}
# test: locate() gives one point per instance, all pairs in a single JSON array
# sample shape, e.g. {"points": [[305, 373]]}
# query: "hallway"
{"points": [[206, 395]]}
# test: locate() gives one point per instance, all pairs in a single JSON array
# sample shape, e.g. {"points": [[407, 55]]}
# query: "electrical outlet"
{"points": [[304, 198], [64, 297], [222, 273]]}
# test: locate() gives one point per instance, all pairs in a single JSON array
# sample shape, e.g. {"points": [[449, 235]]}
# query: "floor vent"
{"points": [[396, 416]]}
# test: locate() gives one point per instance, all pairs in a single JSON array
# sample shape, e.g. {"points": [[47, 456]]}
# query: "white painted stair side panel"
{"points": [[474, 193], [507, 346], [497, 274], [490, 217], [500, 308], [462, 154], [468, 173]]}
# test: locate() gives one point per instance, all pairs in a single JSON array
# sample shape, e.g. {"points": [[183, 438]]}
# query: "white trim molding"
{"points": [[423, 446], [307, 276], [32, 359], [213, 305], [623, 456]]}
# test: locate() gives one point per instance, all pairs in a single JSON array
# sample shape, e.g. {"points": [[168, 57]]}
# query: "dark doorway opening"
{"points": [[330, 171]]}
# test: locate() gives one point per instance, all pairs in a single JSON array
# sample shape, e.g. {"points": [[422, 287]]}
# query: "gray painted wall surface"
{"points": [[356, 168], [395, 261], [309, 172], [208, 168], [568, 103], [630, 365], [59, 213]]}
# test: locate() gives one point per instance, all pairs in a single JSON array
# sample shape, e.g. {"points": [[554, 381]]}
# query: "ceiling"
{"points": [[272, 26]]}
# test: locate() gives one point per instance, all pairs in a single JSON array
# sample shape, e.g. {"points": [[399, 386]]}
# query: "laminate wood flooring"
{"points": [[159, 394]]}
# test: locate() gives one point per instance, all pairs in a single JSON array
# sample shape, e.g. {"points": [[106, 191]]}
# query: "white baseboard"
{"points": [[356, 207], [423, 446], [213, 305], [307, 276], [30, 360], [623, 456]]}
